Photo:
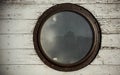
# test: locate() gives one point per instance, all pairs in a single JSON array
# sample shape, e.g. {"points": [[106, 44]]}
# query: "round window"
{"points": [[67, 37]]}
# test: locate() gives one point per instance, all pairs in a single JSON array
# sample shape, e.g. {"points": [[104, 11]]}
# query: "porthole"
{"points": [[67, 37]]}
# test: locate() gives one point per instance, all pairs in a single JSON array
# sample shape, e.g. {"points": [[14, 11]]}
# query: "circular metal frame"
{"points": [[93, 24]]}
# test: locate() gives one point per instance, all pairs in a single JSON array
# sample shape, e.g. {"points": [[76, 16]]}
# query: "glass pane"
{"points": [[66, 37]]}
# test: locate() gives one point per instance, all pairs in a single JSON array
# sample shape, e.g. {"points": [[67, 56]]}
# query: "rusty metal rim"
{"points": [[93, 24]]}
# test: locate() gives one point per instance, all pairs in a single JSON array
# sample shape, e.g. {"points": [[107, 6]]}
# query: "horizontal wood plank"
{"points": [[110, 25], [108, 56], [45, 70], [20, 57], [29, 57], [55, 1], [99, 70], [26, 41], [14, 11], [17, 26], [16, 41], [27, 26], [112, 40]]}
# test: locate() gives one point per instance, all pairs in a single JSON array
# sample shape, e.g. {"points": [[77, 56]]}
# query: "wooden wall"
{"points": [[18, 19]]}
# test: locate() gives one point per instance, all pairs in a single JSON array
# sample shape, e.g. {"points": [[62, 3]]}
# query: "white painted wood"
{"points": [[99, 70], [113, 1], [108, 56], [22, 11], [111, 40], [26, 41], [16, 41], [45, 70], [56, 1], [21, 56], [110, 25], [27, 26], [17, 26], [15, 11], [17, 21], [29, 57], [104, 11]]}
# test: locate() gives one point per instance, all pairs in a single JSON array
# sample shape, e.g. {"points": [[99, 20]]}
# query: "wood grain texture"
{"points": [[29, 57], [17, 26], [16, 41], [45, 70], [108, 56], [26, 41], [56, 1], [111, 26], [14, 11], [17, 22], [111, 40], [21, 56]]}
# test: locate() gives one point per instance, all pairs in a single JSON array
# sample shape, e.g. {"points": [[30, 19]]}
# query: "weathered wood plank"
{"points": [[22, 11], [16, 41], [14, 11], [108, 56], [99, 70], [104, 10], [29, 57], [26, 41], [27, 26], [110, 25], [56, 1], [17, 26], [111, 40], [19, 57], [44, 70]]}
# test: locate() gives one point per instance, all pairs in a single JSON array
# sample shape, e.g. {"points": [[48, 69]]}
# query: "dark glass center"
{"points": [[66, 37]]}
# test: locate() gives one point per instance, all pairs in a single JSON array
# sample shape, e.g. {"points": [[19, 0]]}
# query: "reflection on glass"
{"points": [[66, 37]]}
